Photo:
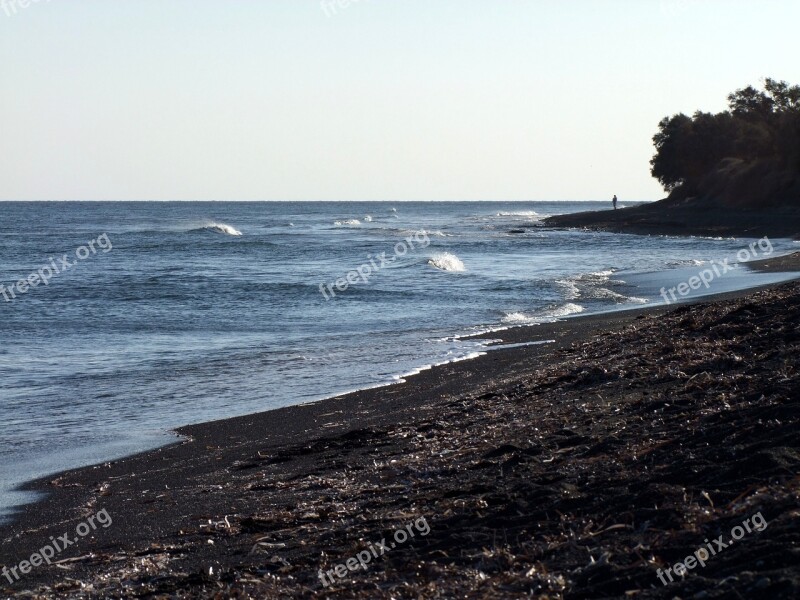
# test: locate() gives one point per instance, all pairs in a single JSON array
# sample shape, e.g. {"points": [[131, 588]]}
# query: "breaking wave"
{"points": [[686, 263], [219, 228], [446, 262], [568, 309], [521, 213], [520, 318], [516, 317], [436, 233], [594, 286]]}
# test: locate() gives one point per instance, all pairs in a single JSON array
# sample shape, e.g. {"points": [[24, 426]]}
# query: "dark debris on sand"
{"points": [[577, 480]]}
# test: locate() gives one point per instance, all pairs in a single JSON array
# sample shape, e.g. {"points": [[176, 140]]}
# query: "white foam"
{"points": [[409, 232], [568, 309], [605, 293], [347, 223], [592, 286], [516, 317], [685, 263], [521, 213], [574, 286], [520, 345], [571, 290], [519, 318], [222, 228], [418, 370], [446, 262], [596, 277], [436, 233], [602, 274], [367, 219]]}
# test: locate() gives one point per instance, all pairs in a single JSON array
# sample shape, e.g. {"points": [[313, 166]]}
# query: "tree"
{"points": [[784, 97], [750, 101], [761, 128], [667, 164]]}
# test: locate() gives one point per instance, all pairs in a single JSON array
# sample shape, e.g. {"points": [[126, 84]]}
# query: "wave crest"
{"points": [[569, 308], [220, 228], [516, 317], [446, 262], [435, 233], [519, 213], [545, 316], [686, 263]]}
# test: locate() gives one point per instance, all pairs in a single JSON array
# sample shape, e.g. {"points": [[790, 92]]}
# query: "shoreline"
{"points": [[668, 217], [513, 336], [157, 495]]}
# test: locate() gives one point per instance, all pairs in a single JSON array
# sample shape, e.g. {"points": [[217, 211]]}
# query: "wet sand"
{"points": [[779, 264], [572, 469]]}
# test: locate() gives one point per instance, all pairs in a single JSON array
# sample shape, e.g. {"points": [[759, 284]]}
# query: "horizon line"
{"points": [[308, 201]]}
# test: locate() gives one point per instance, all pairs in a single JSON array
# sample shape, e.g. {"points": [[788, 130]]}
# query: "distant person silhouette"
{"points": [[614, 202]]}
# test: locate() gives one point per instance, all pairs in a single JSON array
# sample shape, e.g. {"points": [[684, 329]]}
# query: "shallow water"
{"points": [[200, 311]]}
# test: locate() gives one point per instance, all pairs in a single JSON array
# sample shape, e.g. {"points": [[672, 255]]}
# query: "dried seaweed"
{"points": [[574, 481]]}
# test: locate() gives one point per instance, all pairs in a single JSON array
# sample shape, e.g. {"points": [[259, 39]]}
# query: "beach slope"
{"points": [[584, 468]]}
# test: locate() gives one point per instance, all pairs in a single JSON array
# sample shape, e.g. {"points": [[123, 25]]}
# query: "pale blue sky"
{"points": [[385, 99]]}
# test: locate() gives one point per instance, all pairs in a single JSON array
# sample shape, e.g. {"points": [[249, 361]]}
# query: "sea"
{"points": [[120, 321]]}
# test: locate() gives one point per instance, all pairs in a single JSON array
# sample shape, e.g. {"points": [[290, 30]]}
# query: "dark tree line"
{"points": [[755, 142]]}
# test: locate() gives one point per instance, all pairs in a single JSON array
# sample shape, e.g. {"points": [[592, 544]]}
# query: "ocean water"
{"points": [[179, 313]]}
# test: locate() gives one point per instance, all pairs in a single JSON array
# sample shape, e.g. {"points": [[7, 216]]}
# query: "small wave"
{"points": [[568, 309], [347, 223], [220, 228], [517, 317], [686, 263], [596, 286], [571, 290], [521, 213], [436, 233], [576, 287], [596, 277], [600, 274], [520, 318], [397, 231], [367, 219], [607, 294], [602, 293], [446, 262]]}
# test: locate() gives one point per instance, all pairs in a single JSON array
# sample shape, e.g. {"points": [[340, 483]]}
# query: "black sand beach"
{"points": [[573, 469]]}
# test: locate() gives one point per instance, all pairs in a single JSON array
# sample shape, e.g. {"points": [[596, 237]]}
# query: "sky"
{"points": [[366, 99]]}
